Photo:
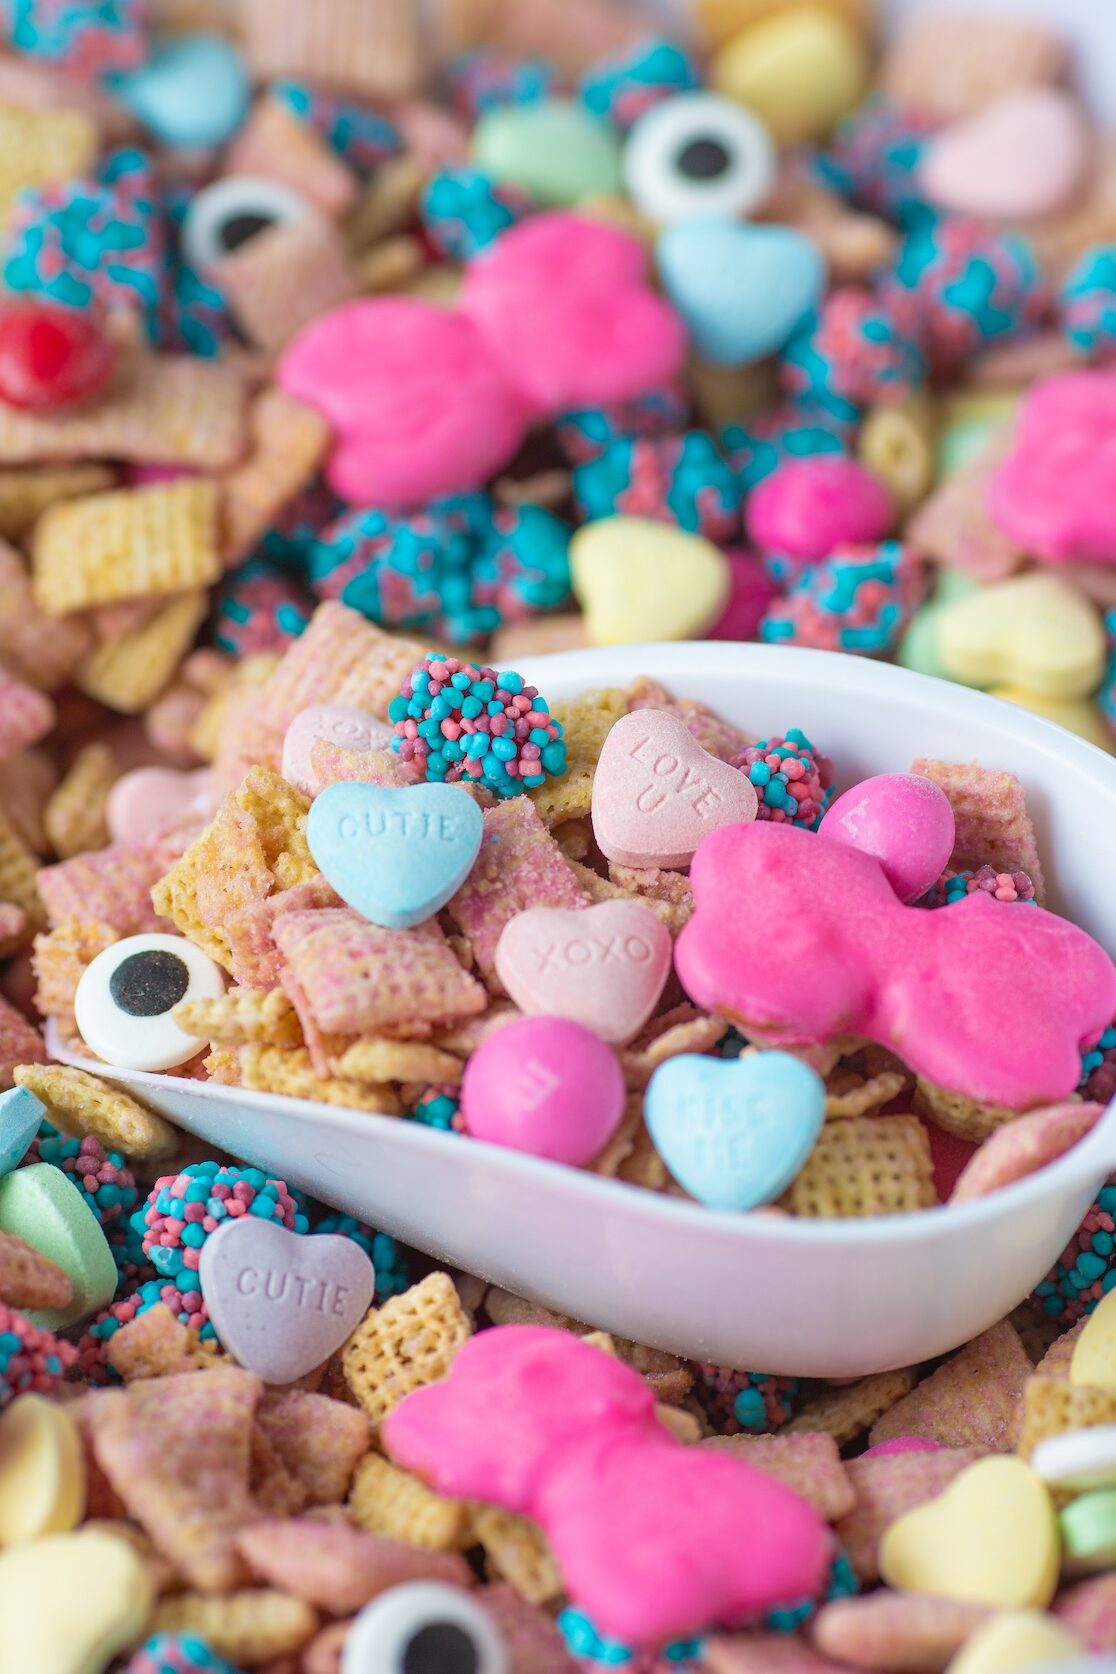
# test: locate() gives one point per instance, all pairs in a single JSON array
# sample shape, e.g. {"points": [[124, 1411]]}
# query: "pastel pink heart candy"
{"points": [[603, 967], [567, 307], [1020, 157], [282, 1303], [418, 405], [657, 794], [153, 800], [333, 723], [1052, 494], [546, 1086]]}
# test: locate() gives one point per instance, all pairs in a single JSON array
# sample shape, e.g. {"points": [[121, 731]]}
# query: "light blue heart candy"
{"points": [[192, 92], [395, 855], [20, 1115], [735, 1132], [741, 289]]}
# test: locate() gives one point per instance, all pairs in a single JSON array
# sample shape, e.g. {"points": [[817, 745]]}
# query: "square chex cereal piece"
{"points": [[113, 885], [130, 543], [42, 650], [993, 825], [405, 1345], [865, 1165], [896, 1630], [373, 50], [845, 1411], [973, 1400], [26, 715], [887, 1485], [808, 1463], [359, 978], [289, 442]]}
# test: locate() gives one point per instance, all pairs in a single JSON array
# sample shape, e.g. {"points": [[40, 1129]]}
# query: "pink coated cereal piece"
{"points": [[904, 821], [808, 507], [806, 941], [657, 794], [768, 1653], [888, 1486], [565, 305], [151, 801], [112, 884], [418, 406], [20, 1043], [974, 1399], [1023, 1147], [333, 723], [337, 1567], [751, 590], [539, 1422], [1019, 158], [547, 1086], [531, 1635], [603, 966], [1089, 1610], [897, 1630], [26, 715], [902, 1444], [1052, 494]]}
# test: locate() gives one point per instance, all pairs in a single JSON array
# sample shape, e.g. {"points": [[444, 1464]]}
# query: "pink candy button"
{"points": [[904, 821], [807, 507], [332, 723], [546, 1086]]}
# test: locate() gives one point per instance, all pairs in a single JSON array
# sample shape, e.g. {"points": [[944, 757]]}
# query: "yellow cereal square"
{"points": [[130, 543], [128, 674], [405, 1345], [74, 818], [586, 721], [865, 1165], [26, 494], [79, 1104], [388, 1501], [844, 1413]]}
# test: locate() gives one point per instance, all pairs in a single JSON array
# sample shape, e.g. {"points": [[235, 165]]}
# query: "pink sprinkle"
{"points": [[451, 729]]}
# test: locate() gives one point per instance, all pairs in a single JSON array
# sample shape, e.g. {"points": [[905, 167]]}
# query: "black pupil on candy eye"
{"points": [[703, 159], [238, 229], [149, 984], [440, 1648]]}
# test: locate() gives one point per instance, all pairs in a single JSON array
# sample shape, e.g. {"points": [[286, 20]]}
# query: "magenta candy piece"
{"points": [[808, 507], [904, 821], [546, 1086], [751, 590], [903, 1444]]}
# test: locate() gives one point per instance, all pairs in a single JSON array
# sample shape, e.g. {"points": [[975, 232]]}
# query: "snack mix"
{"points": [[355, 355]]}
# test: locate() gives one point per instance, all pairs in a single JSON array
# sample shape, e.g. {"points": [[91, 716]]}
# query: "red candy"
{"points": [[51, 357]]}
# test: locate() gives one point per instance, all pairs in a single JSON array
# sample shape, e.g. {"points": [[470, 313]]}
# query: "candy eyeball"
{"points": [[231, 212], [698, 154], [125, 999], [424, 1627]]}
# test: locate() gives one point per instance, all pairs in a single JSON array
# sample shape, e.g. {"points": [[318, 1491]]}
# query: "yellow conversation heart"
{"points": [[42, 1471], [1015, 1641], [70, 1602], [638, 580], [1094, 1354], [798, 70], [991, 1538], [1077, 715], [1035, 631]]}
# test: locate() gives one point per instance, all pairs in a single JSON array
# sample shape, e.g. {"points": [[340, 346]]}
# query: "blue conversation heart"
{"points": [[192, 92], [741, 289], [735, 1132], [395, 855], [20, 1115]]}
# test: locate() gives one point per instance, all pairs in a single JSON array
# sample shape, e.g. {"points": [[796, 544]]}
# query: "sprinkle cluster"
{"points": [[384, 1253], [1087, 303], [480, 81], [585, 1642], [1085, 1271], [260, 608], [102, 1177], [794, 781], [852, 354], [959, 285], [183, 1209], [874, 161], [177, 1653], [858, 599], [31, 1360], [744, 1402], [455, 720], [674, 479], [587, 433], [954, 886], [464, 211], [1098, 1068], [437, 1107], [186, 1305], [623, 88], [86, 38], [796, 431], [362, 138]]}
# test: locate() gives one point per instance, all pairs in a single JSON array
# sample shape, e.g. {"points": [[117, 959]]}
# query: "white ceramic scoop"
{"points": [[809, 1298]]}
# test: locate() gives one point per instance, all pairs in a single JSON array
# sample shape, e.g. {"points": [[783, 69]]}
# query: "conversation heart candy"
{"points": [[741, 290], [1077, 715], [42, 1471], [991, 1538], [554, 150], [1088, 1528], [335, 723], [1094, 1354], [612, 561], [1022, 156], [191, 92], [1018, 1640], [902, 819], [396, 856], [20, 1115], [280, 1303], [603, 967], [1034, 630], [544, 1085], [657, 794], [42, 1206], [70, 1602], [735, 1133], [1077, 1460], [152, 800]]}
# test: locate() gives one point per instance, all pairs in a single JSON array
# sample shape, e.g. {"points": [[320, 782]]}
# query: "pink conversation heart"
{"points": [[418, 405], [800, 941], [1021, 156], [282, 1303], [657, 794], [567, 307], [541, 1423], [546, 1086], [1052, 495], [331, 723], [902, 819], [603, 967], [152, 800]]}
